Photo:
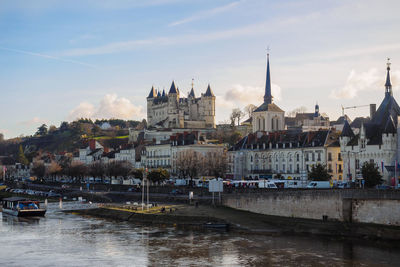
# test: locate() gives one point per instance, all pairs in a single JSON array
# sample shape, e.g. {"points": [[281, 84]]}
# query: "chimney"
{"points": [[372, 110], [92, 144]]}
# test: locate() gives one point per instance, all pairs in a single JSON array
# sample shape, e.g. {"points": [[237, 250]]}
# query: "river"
{"points": [[62, 239]]}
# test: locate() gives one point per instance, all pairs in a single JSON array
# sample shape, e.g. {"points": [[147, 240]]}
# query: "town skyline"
{"points": [[104, 69]]}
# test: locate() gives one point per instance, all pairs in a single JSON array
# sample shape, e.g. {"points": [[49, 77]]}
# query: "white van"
{"points": [[319, 184], [266, 184]]}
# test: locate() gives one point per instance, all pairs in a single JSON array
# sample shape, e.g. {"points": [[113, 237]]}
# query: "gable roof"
{"points": [[268, 107]]}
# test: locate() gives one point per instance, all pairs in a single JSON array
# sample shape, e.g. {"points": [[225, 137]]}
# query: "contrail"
{"points": [[48, 56]]}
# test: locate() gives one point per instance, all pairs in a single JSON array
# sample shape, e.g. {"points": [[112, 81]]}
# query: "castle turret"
{"points": [[208, 100], [150, 99], [316, 113]]}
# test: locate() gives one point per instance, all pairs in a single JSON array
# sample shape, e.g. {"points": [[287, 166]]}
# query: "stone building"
{"points": [[377, 140], [288, 153], [173, 111]]}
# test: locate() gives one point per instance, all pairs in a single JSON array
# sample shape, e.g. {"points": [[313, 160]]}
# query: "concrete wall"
{"points": [[379, 211], [344, 206], [307, 205]]}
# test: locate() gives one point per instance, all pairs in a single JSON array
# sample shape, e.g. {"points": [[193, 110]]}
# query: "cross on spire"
{"points": [[388, 84]]}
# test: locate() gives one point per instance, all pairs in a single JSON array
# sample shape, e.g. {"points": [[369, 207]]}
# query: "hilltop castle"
{"points": [[172, 111]]}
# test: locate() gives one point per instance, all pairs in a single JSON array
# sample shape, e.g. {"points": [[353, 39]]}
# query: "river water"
{"points": [[61, 239]]}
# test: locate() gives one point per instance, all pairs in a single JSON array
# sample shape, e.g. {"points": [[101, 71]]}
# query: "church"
{"points": [[268, 116], [173, 111]]}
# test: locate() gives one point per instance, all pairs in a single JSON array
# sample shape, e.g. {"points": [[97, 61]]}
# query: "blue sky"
{"points": [[94, 58]]}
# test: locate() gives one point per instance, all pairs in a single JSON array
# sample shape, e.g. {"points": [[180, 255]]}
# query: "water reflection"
{"points": [[70, 240]]}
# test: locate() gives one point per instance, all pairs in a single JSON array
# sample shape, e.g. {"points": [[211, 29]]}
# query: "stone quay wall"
{"points": [[357, 206]]}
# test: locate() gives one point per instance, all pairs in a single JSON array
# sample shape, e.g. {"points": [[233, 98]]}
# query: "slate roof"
{"points": [[209, 91], [152, 93], [268, 107], [347, 131], [287, 138], [357, 122], [173, 89], [191, 94]]}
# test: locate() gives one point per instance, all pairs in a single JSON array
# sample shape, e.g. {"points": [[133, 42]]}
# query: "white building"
{"points": [[376, 142], [268, 116], [290, 154]]}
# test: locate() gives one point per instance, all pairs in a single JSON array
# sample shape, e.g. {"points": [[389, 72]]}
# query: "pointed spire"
{"points": [[158, 94], [347, 131], [152, 93], [163, 93], [390, 126], [173, 89], [209, 91], [268, 95], [191, 94], [316, 113], [388, 84]]}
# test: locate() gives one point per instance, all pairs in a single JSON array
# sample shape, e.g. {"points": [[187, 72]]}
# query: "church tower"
{"points": [[268, 117]]}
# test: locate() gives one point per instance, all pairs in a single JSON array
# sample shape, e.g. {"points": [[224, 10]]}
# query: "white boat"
{"points": [[22, 207]]}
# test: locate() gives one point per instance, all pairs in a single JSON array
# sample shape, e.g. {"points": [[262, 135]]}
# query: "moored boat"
{"points": [[22, 207]]}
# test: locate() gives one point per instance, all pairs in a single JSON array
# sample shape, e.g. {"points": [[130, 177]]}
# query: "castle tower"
{"points": [[173, 106], [208, 100], [152, 95]]}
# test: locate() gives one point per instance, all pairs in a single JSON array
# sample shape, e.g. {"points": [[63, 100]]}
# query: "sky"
{"points": [[61, 60]]}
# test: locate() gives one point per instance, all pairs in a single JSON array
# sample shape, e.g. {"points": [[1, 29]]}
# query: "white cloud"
{"points": [[111, 106], [365, 81], [205, 14], [241, 95], [33, 121]]}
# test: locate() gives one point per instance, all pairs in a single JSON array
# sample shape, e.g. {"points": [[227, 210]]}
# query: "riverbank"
{"points": [[190, 217]]}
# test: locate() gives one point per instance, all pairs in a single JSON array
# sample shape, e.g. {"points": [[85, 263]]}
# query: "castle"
{"points": [[172, 111]]}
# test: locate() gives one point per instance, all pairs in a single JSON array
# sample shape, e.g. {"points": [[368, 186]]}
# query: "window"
{"points": [[340, 168], [329, 156], [298, 168], [313, 156], [319, 156], [339, 157], [298, 157], [329, 167], [357, 164], [272, 124], [306, 156]]}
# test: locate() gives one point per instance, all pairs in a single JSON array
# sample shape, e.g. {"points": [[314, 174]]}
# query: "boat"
{"points": [[22, 207], [220, 226]]}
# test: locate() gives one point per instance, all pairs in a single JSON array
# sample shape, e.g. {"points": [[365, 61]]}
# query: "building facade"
{"points": [[376, 142], [287, 154], [173, 111]]}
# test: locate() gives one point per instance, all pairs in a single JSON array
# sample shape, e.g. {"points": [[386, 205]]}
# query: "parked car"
{"points": [[319, 184], [176, 192]]}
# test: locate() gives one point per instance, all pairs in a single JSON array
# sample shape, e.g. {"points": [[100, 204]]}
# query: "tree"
{"points": [[188, 163], [39, 170], [77, 170], [54, 169], [319, 173], [42, 130], [215, 164], [158, 175], [237, 114], [21, 156], [293, 113], [137, 173], [64, 126], [52, 129], [249, 109], [97, 169], [371, 174]]}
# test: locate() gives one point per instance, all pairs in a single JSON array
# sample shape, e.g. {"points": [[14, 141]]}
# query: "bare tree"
{"points": [[54, 169], [189, 163], [249, 109], [237, 114], [215, 164], [293, 113]]}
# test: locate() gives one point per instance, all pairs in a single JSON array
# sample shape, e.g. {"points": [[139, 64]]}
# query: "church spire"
{"points": [[388, 84], [268, 95]]}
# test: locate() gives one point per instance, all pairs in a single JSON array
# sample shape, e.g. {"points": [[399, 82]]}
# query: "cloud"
{"points": [[205, 14], [365, 81], [241, 95], [33, 121], [48, 57], [111, 106]]}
